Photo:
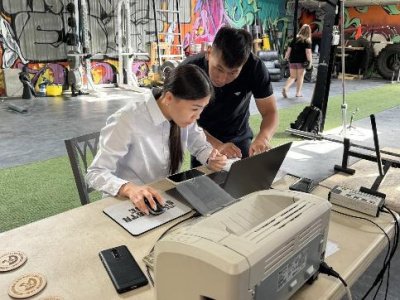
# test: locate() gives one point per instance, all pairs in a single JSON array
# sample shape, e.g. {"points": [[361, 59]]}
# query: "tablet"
{"points": [[186, 175]]}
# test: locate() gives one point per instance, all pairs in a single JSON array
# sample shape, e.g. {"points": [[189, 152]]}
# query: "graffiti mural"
{"points": [[42, 25], [10, 47], [34, 33], [208, 17], [384, 21], [245, 13]]}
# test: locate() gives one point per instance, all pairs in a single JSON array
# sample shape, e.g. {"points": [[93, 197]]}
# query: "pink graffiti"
{"points": [[102, 72], [140, 69], [209, 17], [58, 71]]}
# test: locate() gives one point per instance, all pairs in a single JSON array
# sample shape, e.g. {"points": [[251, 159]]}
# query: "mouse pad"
{"points": [[136, 222]]}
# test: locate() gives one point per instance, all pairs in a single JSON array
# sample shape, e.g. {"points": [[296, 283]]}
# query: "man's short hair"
{"points": [[234, 44]]}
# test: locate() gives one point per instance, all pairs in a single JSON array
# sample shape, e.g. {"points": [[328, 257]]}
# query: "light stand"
{"points": [[350, 126], [344, 104]]}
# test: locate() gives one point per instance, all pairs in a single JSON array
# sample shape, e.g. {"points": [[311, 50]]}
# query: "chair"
{"points": [[77, 149]]}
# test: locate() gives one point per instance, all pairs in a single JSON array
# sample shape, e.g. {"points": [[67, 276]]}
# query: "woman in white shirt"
{"points": [[144, 142]]}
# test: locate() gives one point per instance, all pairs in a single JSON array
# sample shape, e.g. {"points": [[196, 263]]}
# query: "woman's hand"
{"points": [[216, 161], [137, 193]]}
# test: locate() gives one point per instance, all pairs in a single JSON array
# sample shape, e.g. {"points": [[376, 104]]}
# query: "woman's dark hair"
{"points": [[234, 44], [185, 82]]}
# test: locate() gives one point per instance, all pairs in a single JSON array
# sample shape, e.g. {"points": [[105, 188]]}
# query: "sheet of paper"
{"points": [[229, 163], [331, 248]]}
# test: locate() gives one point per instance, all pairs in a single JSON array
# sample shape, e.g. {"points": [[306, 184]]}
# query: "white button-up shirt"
{"points": [[134, 147]]}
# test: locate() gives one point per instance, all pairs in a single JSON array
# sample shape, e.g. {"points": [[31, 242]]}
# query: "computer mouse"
{"points": [[159, 208]]}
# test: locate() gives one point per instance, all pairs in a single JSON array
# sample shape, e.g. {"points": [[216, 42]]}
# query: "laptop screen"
{"points": [[255, 173]]}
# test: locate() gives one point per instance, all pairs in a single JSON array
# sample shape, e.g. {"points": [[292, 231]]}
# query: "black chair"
{"points": [[80, 150]]}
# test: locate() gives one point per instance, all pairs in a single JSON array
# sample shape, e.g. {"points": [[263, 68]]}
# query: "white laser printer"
{"points": [[265, 246]]}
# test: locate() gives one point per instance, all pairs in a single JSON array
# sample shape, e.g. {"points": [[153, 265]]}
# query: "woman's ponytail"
{"points": [[175, 148]]}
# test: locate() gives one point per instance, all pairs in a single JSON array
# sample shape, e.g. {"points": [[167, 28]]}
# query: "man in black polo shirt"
{"points": [[236, 74]]}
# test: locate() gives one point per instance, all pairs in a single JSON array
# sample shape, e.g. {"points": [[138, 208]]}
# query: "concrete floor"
{"points": [[39, 135]]}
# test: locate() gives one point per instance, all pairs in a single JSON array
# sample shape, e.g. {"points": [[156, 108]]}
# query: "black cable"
{"points": [[386, 265], [387, 282], [365, 219], [396, 228], [388, 251], [379, 286], [396, 238], [395, 241], [195, 215], [395, 245], [324, 268]]}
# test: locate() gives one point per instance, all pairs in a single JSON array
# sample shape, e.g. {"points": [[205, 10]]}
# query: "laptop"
{"points": [[253, 173], [244, 177]]}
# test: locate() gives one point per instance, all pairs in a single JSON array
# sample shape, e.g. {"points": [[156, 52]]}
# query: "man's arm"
{"points": [[227, 149], [270, 119]]}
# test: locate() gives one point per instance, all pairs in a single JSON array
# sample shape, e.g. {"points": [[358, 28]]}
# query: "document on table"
{"points": [[331, 248]]}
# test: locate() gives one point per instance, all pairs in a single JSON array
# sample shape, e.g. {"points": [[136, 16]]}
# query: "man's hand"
{"points": [[230, 150], [259, 145], [216, 161], [137, 193]]}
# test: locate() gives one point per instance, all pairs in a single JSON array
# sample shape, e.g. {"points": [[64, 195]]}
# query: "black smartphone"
{"points": [[186, 175], [304, 184], [123, 269]]}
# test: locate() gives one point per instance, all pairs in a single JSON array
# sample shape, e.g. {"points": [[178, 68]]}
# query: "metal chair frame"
{"points": [[78, 149]]}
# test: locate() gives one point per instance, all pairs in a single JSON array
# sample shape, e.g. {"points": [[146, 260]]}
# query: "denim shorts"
{"points": [[296, 66]]}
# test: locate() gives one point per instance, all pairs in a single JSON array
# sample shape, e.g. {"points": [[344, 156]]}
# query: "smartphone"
{"points": [[123, 269], [304, 184], [186, 175]]}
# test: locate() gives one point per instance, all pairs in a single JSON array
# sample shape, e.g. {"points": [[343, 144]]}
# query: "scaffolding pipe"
{"points": [[84, 24], [125, 58]]}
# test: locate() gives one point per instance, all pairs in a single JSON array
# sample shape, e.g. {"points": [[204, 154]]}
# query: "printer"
{"points": [[265, 246]]}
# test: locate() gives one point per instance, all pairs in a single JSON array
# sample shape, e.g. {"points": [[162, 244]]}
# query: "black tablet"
{"points": [[186, 175]]}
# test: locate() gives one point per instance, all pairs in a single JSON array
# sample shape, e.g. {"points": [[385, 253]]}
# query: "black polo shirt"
{"points": [[227, 116]]}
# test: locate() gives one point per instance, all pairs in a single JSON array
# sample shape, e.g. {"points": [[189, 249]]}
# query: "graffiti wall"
{"points": [[40, 34], [384, 21]]}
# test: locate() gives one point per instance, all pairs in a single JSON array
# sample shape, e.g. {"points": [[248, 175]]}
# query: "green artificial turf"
{"points": [[35, 191], [38, 190], [368, 102]]}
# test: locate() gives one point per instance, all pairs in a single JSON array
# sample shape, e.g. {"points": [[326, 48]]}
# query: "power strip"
{"points": [[356, 200]]}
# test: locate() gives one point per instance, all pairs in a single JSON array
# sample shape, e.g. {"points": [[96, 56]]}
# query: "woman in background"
{"points": [[144, 142], [299, 55]]}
